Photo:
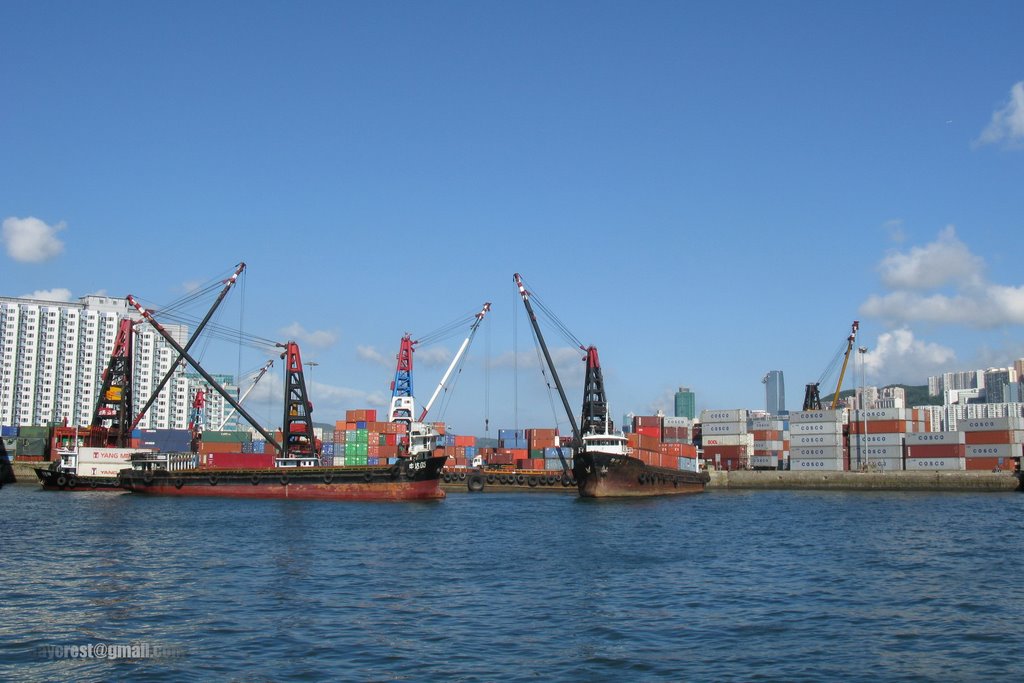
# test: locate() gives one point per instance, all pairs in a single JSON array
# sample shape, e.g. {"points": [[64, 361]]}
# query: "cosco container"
{"points": [[815, 428], [916, 464], [1006, 450], [816, 440], [723, 428], [876, 439], [925, 438], [803, 416], [991, 424], [812, 452], [816, 464], [740, 415]]}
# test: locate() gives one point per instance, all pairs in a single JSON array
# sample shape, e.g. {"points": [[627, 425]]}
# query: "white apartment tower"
{"points": [[52, 357]]}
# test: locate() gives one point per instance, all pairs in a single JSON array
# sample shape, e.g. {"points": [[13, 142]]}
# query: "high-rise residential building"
{"points": [[52, 357], [995, 382], [774, 392], [686, 403]]}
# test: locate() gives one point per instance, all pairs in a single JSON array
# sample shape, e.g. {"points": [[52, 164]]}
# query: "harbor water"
{"points": [[725, 585]]}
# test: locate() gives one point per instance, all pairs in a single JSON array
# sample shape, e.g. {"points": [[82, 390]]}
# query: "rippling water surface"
{"points": [[502, 587]]}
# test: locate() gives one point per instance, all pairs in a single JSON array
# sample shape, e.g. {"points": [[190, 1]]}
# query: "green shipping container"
{"points": [[350, 449], [362, 450], [227, 437], [536, 453], [34, 432], [363, 435], [355, 459], [32, 446]]}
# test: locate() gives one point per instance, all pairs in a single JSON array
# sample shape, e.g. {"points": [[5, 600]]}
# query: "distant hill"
{"points": [[916, 395]]}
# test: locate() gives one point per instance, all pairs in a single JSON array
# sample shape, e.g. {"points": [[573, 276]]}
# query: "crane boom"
{"points": [[462, 349], [846, 359], [259, 376]]}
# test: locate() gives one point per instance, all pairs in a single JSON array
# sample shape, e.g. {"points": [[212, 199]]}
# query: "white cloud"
{"points": [[947, 259], [1007, 124], [373, 355], [30, 240], [972, 301], [55, 294], [320, 339], [898, 357], [432, 357]]}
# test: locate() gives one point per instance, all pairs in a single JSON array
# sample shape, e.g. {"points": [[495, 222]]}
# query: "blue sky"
{"points": [[704, 190]]}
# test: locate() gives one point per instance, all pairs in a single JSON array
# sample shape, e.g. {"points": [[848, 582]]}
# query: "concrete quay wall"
{"points": [[864, 481]]}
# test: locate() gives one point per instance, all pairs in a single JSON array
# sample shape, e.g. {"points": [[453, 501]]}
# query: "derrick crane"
{"points": [[196, 419], [299, 445], [113, 409], [595, 417], [812, 398], [402, 401]]}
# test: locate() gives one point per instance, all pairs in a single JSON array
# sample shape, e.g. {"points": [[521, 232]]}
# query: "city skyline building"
{"points": [[775, 392], [685, 403]]}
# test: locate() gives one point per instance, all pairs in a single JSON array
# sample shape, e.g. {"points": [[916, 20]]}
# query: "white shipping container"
{"points": [[884, 464], [767, 425], [724, 428], [729, 440], [935, 464], [103, 455], [993, 450], [677, 422], [880, 439], [816, 440], [819, 464], [935, 438], [815, 428], [882, 414], [767, 445], [809, 452], [101, 469], [879, 452], [688, 464], [740, 415], [765, 461], [991, 424], [802, 416]]}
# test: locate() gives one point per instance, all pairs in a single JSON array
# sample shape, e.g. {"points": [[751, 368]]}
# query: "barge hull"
{"points": [[54, 480], [322, 483]]}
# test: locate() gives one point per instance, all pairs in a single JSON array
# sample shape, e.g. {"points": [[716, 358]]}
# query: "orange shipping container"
{"points": [[880, 427], [989, 464]]}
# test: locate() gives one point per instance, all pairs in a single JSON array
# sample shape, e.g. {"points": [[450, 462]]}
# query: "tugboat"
{"points": [[297, 472], [84, 468], [603, 464]]}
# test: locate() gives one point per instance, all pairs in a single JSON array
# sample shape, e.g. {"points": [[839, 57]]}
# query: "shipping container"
{"points": [[873, 439], [1009, 450], [1009, 436], [937, 450], [815, 428], [213, 436], [926, 438], [723, 429], [797, 440], [926, 463], [885, 464], [991, 424], [817, 452], [804, 416], [990, 464], [741, 415], [816, 464], [902, 414]]}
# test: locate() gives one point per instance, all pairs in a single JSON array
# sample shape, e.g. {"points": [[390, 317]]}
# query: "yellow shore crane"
{"points": [[812, 398]]}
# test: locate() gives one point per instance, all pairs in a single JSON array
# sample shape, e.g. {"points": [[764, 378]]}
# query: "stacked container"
{"points": [[878, 437], [677, 430], [816, 440], [727, 444], [993, 443], [936, 451], [770, 443]]}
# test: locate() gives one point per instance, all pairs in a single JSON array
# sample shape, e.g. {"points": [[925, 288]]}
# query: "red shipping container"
{"points": [[936, 450], [647, 421], [1001, 437], [880, 427], [652, 431]]}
